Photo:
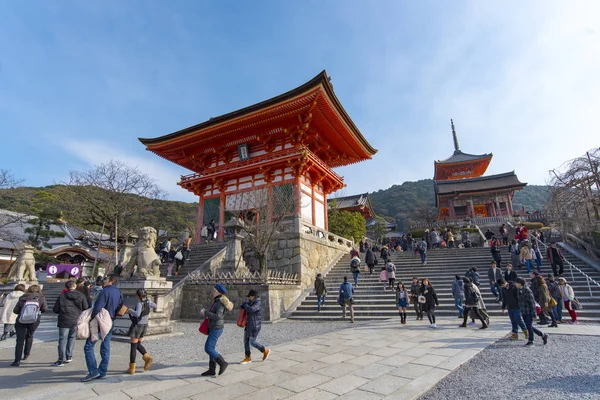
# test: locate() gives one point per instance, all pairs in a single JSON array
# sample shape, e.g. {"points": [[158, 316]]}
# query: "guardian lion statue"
{"points": [[143, 256], [24, 268]]}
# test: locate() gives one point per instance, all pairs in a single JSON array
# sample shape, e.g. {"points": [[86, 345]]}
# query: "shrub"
{"points": [[533, 225]]}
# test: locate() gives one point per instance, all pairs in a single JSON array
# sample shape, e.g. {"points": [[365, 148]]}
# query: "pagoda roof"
{"points": [[459, 157], [358, 202], [485, 183], [334, 131]]}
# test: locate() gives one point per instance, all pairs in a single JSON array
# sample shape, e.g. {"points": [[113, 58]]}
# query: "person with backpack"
{"points": [[9, 318], [216, 323], [68, 306], [346, 293], [253, 326], [111, 300], [472, 297], [510, 304], [391, 273], [355, 268], [137, 330], [384, 254], [321, 291], [422, 249], [179, 259], [29, 309]]}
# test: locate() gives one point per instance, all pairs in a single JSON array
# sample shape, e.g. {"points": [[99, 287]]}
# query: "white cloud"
{"points": [[167, 175]]}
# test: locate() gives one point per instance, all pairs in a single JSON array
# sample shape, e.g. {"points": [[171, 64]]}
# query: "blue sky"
{"points": [[81, 81]]}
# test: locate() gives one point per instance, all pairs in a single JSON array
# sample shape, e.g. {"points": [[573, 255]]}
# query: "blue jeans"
{"points": [[211, 343], [320, 302], [493, 289], [557, 309], [516, 320], [423, 257], [90, 357], [528, 319], [355, 275], [66, 343], [459, 307], [251, 341], [538, 264], [529, 264]]}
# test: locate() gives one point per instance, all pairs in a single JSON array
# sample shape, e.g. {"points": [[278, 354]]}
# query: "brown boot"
{"points": [[514, 336], [131, 369], [246, 360], [147, 361]]}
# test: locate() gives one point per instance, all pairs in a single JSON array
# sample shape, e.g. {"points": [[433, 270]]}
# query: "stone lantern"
{"points": [[234, 254]]}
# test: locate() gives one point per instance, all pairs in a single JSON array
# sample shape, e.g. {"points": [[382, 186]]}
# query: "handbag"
{"points": [[242, 320], [203, 329], [421, 299], [553, 302], [576, 305]]}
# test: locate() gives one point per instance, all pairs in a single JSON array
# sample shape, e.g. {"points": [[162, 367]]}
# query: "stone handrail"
{"points": [[248, 278], [297, 225], [591, 250]]}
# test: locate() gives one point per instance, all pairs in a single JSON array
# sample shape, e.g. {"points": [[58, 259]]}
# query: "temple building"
{"points": [[461, 190], [359, 203], [288, 146]]}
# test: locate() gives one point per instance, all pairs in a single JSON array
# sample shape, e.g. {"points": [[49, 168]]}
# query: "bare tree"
{"points": [[10, 219], [426, 214], [8, 180], [263, 212], [116, 195]]}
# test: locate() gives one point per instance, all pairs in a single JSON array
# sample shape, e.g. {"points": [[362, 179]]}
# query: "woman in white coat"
{"points": [[8, 316]]}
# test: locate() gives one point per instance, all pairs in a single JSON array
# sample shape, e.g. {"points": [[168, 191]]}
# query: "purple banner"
{"points": [[72, 270]]}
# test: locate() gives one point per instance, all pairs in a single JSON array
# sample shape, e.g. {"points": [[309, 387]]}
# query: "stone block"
{"points": [[304, 382], [343, 384], [313, 394], [228, 392]]}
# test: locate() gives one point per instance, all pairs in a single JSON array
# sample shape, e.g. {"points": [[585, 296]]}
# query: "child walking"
{"points": [[402, 301], [383, 276], [139, 324]]}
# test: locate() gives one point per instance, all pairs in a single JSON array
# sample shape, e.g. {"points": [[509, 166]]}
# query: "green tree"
{"points": [[347, 224], [40, 231]]}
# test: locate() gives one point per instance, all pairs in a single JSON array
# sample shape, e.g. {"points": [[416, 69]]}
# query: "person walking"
{"points": [[510, 304], [187, 246], [537, 257], [458, 294], [554, 289], [568, 296], [355, 268], [435, 239], [253, 325], [546, 301], [431, 301], [504, 233], [29, 309], [510, 275], [527, 307], [422, 249], [68, 306], [494, 274], [495, 249], [346, 294], [514, 251], [555, 258], [216, 324], [8, 317], [111, 300], [472, 298], [414, 297], [384, 254], [137, 330], [320, 290], [370, 260], [383, 276], [526, 258], [402, 301], [204, 234], [391, 273], [95, 292]]}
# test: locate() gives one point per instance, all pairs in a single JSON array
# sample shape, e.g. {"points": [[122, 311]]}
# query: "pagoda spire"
{"points": [[456, 148]]}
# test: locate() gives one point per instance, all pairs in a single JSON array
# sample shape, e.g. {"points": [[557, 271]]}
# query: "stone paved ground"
{"points": [[369, 361]]}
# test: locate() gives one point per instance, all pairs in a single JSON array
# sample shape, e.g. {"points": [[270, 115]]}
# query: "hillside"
{"points": [[398, 202], [401, 201]]}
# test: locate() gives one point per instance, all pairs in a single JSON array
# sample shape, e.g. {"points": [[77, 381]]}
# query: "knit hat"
{"points": [[221, 288]]}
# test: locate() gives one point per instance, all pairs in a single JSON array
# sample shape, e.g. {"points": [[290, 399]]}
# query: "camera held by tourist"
{"points": [[253, 326]]}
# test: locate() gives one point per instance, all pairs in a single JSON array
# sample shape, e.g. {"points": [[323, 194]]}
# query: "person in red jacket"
{"points": [[555, 258]]}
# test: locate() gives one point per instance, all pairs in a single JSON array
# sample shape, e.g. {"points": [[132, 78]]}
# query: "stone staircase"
{"points": [[372, 302], [52, 291], [199, 255]]}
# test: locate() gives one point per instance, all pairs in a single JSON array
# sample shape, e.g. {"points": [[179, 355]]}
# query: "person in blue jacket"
{"points": [[253, 325]]}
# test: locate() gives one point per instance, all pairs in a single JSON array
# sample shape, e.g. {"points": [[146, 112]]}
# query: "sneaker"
{"points": [[68, 360], [529, 344], [526, 333], [246, 360], [570, 323], [90, 377], [101, 377], [266, 354], [462, 326], [58, 364], [15, 364], [514, 336], [545, 339], [434, 326]]}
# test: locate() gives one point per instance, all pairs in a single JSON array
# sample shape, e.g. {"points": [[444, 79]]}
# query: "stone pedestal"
{"points": [[234, 255], [156, 288]]}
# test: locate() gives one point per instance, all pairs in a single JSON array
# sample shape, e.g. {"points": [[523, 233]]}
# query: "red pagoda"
{"points": [[461, 190], [288, 143]]}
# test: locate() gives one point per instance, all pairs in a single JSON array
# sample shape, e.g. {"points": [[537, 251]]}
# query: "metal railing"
{"points": [[588, 278]]}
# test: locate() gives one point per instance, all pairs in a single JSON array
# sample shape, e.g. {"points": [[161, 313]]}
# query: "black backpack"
{"points": [[145, 311]]}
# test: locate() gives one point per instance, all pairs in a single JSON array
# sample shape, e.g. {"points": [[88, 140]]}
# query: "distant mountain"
{"points": [[401, 201]]}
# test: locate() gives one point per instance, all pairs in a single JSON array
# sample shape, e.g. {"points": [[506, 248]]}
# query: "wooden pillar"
{"points": [[451, 207], [509, 204], [200, 222], [472, 207], [498, 206], [297, 196], [221, 234], [312, 200], [326, 211]]}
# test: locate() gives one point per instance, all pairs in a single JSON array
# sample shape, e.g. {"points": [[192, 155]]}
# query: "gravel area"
{"points": [[190, 347], [566, 368]]}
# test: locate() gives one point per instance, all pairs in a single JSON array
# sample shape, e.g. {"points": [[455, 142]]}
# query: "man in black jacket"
{"points": [[68, 306], [510, 303], [527, 305]]}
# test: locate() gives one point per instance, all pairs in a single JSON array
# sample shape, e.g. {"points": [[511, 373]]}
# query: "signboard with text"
{"points": [[56, 269]]}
